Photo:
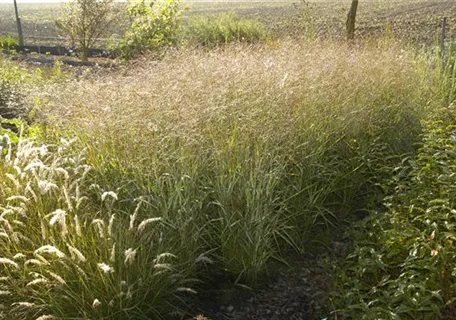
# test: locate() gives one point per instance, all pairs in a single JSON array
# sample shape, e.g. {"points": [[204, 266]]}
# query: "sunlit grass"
{"points": [[246, 147]]}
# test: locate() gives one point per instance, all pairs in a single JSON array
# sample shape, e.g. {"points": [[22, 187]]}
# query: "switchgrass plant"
{"points": [[68, 251], [247, 151], [211, 31]]}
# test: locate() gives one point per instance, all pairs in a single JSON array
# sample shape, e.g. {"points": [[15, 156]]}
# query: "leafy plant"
{"points": [[8, 42], [402, 266], [154, 26]]}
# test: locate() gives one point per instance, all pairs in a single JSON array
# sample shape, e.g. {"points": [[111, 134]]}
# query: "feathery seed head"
{"points": [[111, 224], [24, 304], [111, 194], [34, 262], [165, 266], [162, 256], [43, 230], [130, 255], [66, 193], [6, 212], [18, 197], [146, 222], [80, 201], [49, 249], [4, 235], [6, 261], [63, 173], [43, 150], [100, 225], [76, 254], [77, 226], [34, 164], [113, 253], [45, 186], [56, 277], [135, 215], [18, 256], [96, 303], [39, 281], [105, 268], [57, 216], [46, 317], [13, 178], [29, 190]]}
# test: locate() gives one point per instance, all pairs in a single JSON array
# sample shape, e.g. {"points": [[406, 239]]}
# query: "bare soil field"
{"points": [[416, 21]]}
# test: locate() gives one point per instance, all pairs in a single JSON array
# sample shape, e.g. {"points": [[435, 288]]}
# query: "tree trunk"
{"points": [[351, 19], [84, 54]]}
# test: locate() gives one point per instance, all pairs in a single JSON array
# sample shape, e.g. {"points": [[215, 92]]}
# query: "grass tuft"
{"points": [[223, 29]]}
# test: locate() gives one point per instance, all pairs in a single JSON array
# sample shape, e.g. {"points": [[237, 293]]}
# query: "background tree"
{"points": [[83, 21], [351, 20]]}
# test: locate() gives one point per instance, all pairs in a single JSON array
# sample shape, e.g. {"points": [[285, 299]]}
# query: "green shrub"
{"points": [[154, 26], [223, 29], [402, 266]]}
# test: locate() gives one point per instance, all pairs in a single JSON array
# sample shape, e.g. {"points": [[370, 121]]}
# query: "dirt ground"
{"points": [[297, 292], [412, 20]]}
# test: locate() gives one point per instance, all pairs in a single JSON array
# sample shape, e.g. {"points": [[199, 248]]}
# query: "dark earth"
{"points": [[296, 292]]}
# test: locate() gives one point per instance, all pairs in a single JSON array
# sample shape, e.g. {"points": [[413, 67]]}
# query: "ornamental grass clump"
{"points": [[68, 251]]}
